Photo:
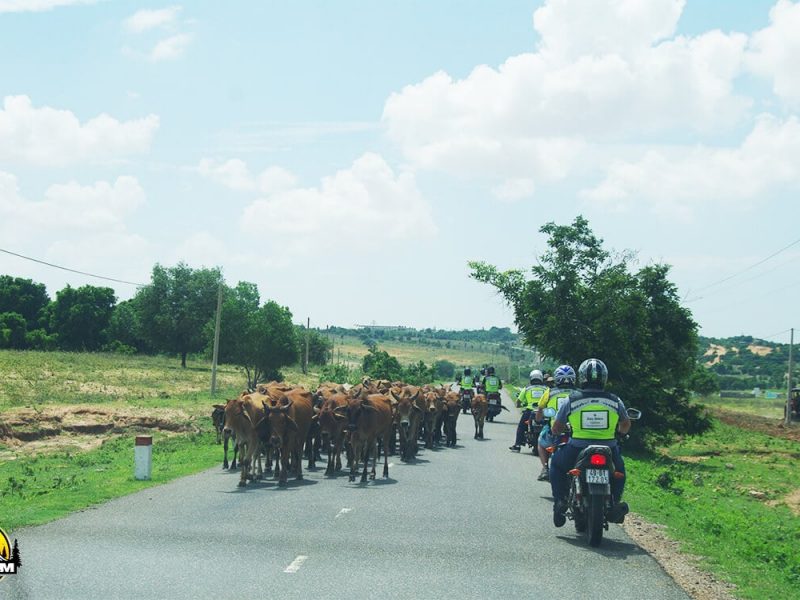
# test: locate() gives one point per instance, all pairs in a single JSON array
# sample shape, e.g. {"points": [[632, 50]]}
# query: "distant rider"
{"points": [[528, 400], [491, 384], [466, 382], [564, 380], [595, 417]]}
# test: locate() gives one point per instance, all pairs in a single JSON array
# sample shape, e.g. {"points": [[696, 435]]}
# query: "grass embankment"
{"points": [[771, 408], [731, 497]]}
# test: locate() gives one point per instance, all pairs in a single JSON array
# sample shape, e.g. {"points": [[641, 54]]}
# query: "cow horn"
{"points": [[340, 410], [286, 406], [266, 406]]}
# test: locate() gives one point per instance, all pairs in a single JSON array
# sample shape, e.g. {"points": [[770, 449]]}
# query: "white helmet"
{"points": [[536, 375]]}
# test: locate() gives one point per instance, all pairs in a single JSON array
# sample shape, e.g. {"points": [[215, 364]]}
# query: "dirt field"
{"points": [[773, 427]]}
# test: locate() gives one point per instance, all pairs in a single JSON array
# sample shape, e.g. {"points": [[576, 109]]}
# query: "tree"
{"points": [[581, 302], [260, 340], [125, 328], [176, 306], [419, 374], [13, 330], [23, 297], [319, 347], [444, 369], [379, 364], [80, 316]]}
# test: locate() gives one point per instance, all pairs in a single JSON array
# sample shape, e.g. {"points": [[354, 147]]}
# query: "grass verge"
{"points": [[41, 488], [728, 497]]}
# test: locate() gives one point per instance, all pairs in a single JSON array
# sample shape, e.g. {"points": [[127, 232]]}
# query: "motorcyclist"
{"points": [[595, 416], [491, 383], [528, 400], [466, 382], [564, 380]]}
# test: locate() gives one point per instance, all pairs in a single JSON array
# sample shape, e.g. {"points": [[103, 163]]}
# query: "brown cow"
{"points": [[479, 409], [369, 416], [429, 417], [218, 418], [289, 419], [407, 416], [244, 418], [331, 425], [451, 411]]}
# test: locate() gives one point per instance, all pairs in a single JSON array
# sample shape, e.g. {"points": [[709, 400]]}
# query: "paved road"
{"points": [[469, 522]]}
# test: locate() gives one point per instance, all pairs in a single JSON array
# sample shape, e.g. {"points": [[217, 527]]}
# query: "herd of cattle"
{"points": [[286, 424]]}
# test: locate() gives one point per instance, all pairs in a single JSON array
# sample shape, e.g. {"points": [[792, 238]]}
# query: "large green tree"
{"points": [[81, 315], [24, 297], [581, 301], [176, 306], [261, 340]]}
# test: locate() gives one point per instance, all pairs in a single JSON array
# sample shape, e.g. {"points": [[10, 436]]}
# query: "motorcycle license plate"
{"points": [[596, 476], [494, 401]]}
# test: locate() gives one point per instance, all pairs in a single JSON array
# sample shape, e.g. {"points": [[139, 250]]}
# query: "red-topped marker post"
{"points": [[143, 457]]}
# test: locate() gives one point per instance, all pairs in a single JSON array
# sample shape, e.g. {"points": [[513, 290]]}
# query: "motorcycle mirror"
{"points": [[549, 412], [634, 414]]}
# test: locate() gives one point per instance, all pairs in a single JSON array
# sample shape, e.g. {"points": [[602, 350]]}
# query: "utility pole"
{"points": [[216, 342], [789, 379]]}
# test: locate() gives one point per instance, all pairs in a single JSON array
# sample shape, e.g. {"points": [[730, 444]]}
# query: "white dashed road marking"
{"points": [[344, 511], [296, 564]]}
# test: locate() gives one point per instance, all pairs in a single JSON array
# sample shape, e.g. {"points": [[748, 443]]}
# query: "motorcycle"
{"points": [[532, 431], [495, 405], [589, 500], [466, 400]]}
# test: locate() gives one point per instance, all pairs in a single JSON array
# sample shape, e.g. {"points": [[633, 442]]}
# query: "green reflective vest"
{"points": [[594, 415], [531, 395], [466, 382], [491, 383], [558, 398]]}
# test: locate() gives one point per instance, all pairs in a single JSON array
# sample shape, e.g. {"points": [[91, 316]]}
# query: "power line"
{"points": [[762, 261], [731, 288], [42, 262]]}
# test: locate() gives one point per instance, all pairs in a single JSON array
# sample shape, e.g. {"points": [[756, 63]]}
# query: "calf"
{"points": [[479, 409], [289, 419], [331, 425], [451, 411], [368, 418], [244, 419]]}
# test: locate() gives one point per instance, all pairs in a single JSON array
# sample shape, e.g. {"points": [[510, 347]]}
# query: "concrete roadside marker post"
{"points": [[143, 457]]}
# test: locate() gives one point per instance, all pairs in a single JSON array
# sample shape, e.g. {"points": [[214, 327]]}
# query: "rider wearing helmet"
{"points": [[491, 383], [466, 383], [564, 380], [528, 400], [595, 417]]}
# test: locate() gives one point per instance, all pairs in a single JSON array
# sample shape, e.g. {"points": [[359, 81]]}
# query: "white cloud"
{"points": [[774, 51], [674, 180], [12, 6], [147, 19], [171, 48], [50, 137], [364, 203], [514, 189], [235, 174], [604, 73]]}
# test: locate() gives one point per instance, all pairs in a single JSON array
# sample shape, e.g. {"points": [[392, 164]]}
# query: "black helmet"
{"points": [[490, 371], [593, 373], [467, 371]]}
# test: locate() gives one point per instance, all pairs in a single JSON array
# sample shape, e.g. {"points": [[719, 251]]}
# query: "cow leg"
{"points": [[277, 453], [298, 452], [366, 462], [374, 446], [283, 480], [385, 462], [226, 437], [244, 463]]}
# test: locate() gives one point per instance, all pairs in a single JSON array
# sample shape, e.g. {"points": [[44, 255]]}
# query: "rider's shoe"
{"points": [[544, 475], [514, 448], [617, 512], [559, 516]]}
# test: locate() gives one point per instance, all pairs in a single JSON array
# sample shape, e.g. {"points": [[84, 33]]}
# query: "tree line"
{"points": [[174, 314]]}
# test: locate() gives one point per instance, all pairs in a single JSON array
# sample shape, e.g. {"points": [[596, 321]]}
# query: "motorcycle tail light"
{"points": [[619, 475], [598, 460]]}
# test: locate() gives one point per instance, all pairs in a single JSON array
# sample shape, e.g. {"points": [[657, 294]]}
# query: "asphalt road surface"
{"points": [[469, 522]]}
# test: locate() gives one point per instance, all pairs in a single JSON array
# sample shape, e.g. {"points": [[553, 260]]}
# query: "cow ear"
{"points": [[290, 422], [218, 405], [394, 395]]}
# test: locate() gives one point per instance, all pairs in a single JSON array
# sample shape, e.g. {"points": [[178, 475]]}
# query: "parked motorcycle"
{"points": [[589, 500]]}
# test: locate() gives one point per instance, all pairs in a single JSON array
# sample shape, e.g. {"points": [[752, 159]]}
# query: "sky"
{"points": [[351, 157]]}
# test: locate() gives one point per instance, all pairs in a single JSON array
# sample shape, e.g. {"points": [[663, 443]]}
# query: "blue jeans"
{"points": [[526, 414], [564, 460]]}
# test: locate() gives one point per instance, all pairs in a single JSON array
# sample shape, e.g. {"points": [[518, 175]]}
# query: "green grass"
{"points": [[707, 505], [42, 488], [771, 408]]}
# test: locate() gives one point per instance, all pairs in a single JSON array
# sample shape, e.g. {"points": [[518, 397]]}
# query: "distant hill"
{"points": [[744, 362]]}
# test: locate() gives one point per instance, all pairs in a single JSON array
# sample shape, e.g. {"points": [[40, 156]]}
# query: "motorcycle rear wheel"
{"points": [[594, 529]]}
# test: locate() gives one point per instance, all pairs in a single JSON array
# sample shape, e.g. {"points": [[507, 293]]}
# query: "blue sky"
{"points": [[351, 157]]}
